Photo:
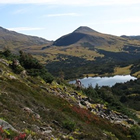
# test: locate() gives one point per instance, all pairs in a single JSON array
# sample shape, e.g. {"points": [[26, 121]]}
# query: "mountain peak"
{"points": [[84, 29]]}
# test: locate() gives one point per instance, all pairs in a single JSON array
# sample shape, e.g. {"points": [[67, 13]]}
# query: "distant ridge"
{"points": [[131, 37], [13, 39]]}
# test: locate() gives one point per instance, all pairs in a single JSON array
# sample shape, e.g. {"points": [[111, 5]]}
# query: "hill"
{"points": [[33, 108], [83, 35], [16, 41]]}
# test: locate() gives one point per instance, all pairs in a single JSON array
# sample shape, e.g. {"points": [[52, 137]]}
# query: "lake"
{"points": [[105, 81]]}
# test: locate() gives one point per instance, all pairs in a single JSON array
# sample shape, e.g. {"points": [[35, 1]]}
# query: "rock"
{"points": [[1, 71], [12, 77], [130, 121], [47, 132], [16, 62], [3, 61], [85, 98], [6, 125], [23, 74], [28, 110], [45, 88], [35, 128], [36, 116], [83, 102], [56, 122], [29, 137]]}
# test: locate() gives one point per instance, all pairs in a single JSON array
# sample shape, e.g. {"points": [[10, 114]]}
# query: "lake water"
{"points": [[105, 81]]}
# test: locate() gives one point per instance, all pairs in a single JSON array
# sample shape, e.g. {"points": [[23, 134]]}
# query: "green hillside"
{"points": [[37, 106]]}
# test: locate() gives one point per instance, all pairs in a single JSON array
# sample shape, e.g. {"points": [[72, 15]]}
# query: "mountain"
{"points": [[32, 108], [85, 35], [86, 51], [16, 40]]}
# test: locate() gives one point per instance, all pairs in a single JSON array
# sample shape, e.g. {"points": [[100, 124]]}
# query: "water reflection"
{"points": [[105, 81]]}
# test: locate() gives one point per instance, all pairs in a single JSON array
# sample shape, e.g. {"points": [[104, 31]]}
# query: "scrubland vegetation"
{"points": [[39, 105]]}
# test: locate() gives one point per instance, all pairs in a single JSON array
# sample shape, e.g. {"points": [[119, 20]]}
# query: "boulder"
{"points": [[6, 125], [1, 71], [130, 121], [3, 61], [12, 77]]}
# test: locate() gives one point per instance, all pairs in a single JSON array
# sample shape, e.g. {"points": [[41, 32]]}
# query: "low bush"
{"points": [[70, 125]]}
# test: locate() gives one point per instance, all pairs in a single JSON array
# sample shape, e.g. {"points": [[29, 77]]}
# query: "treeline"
{"points": [[27, 62], [74, 67]]}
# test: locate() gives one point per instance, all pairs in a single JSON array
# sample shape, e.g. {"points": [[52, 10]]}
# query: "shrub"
{"points": [[135, 132], [17, 69], [34, 68], [90, 92], [70, 125]]}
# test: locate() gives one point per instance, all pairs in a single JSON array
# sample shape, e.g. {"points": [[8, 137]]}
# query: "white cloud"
{"points": [[120, 21], [72, 2], [24, 29], [20, 11], [62, 14], [127, 20]]}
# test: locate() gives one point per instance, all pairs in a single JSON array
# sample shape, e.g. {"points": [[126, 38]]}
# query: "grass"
{"points": [[52, 53], [122, 70], [137, 74]]}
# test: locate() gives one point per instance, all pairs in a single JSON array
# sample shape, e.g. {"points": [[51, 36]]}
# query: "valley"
{"points": [[37, 102]]}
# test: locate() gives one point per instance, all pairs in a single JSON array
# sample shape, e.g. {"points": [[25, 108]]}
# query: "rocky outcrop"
{"points": [[6, 125], [98, 109], [3, 61]]}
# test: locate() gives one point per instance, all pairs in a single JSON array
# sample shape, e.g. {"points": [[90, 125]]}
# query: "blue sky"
{"points": [[51, 19]]}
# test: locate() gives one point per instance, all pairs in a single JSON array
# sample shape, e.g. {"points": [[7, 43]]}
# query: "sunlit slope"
{"points": [[15, 41]]}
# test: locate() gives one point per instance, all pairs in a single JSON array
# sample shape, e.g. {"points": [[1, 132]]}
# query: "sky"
{"points": [[52, 19]]}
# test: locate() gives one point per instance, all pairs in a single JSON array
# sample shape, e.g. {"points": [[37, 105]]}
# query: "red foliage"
{"points": [[20, 137], [3, 136], [85, 114]]}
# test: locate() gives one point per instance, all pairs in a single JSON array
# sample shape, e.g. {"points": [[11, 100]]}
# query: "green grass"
{"points": [[122, 70]]}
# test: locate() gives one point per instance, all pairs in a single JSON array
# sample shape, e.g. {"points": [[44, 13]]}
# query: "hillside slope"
{"points": [[14, 40], [38, 109]]}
